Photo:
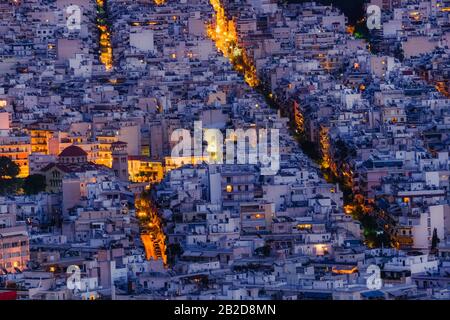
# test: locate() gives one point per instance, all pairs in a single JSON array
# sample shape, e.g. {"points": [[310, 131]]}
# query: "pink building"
{"points": [[14, 243]]}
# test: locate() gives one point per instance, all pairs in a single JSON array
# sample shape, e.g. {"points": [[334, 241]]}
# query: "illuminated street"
{"points": [[223, 32], [152, 234], [106, 54]]}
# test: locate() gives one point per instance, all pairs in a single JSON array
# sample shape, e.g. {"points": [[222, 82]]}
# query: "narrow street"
{"points": [[152, 233], [106, 54]]}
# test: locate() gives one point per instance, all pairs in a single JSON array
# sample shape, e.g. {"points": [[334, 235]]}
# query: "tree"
{"points": [[264, 250], [8, 168], [434, 241], [358, 213], [8, 172], [174, 250], [34, 184]]}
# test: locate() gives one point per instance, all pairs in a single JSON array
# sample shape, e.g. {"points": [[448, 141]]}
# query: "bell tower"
{"points": [[120, 160]]}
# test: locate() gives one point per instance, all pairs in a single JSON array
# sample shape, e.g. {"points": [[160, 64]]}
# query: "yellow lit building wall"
{"points": [[104, 153], [172, 163], [145, 171], [39, 140], [17, 152]]}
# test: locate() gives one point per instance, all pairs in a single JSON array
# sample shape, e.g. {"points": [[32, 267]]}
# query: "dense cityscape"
{"points": [[224, 150]]}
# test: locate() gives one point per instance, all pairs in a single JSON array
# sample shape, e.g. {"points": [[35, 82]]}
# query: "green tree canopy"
{"points": [[434, 240], [34, 184], [8, 169]]}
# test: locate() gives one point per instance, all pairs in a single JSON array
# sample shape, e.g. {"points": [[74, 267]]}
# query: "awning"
{"points": [[373, 294]]}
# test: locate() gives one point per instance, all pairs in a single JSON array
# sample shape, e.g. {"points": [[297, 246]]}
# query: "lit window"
{"points": [[229, 188]]}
